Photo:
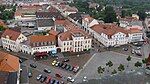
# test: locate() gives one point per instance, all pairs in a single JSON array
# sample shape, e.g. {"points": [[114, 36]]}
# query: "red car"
{"points": [[76, 68], [58, 75], [48, 80]]}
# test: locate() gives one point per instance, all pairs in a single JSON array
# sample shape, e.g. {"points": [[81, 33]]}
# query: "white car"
{"points": [[132, 51], [20, 70], [39, 77], [138, 48], [84, 78], [70, 79]]}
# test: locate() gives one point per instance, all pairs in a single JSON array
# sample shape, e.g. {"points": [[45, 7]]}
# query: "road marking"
{"points": [[85, 65]]}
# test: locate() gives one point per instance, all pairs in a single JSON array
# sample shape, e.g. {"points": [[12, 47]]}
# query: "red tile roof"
{"points": [[89, 19], [34, 39], [108, 29], [11, 33], [52, 9], [68, 34], [8, 63], [53, 32], [134, 30], [71, 9], [61, 22], [30, 7], [63, 6]]}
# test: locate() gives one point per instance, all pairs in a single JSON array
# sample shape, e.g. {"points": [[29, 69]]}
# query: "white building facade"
{"points": [[11, 40], [70, 41], [88, 22], [39, 44]]}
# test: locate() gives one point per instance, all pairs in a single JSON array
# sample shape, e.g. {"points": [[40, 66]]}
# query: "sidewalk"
{"points": [[18, 54]]}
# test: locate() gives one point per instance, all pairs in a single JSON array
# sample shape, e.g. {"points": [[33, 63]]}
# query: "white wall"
{"points": [[76, 45], [135, 37], [45, 28], [116, 39], [43, 49], [25, 48]]}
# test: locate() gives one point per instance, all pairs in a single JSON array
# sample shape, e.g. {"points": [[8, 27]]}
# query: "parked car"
{"points": [[70, 79], [62, 82], [30, 74], [132, 51], [39, 77], [48, 80], [43, 79], [138, 48], [33, 65], [84, 78], [125, 49], [54, 62], [61, 64], [76, 68], [58, 75], [20, 69], [20, 60], [71, 68], [64, 66], [56, 82], [138, 52], [67, 67], [65, 60], [57, 64], [47, 70], [52, 82]]}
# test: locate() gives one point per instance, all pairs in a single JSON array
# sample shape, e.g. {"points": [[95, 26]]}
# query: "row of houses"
{"points": [[110, 34], [71, 39]]}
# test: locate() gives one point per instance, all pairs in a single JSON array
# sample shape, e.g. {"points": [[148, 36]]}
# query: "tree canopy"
{"points": [[110, 15], [2, 28]]}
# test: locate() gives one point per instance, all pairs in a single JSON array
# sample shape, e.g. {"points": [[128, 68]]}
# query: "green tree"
{"points": [[121, 67], [110, 15], [114, 72], [141, 13], [2, 28], [100, 70], [7, 15], [123, 13], [144, 61], [138, 64], [128, 59], [109, 64]]}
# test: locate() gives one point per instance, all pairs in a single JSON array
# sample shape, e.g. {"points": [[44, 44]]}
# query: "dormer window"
{"points": [[68, 38]]}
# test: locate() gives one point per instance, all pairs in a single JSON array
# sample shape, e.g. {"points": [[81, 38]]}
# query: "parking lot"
{"points": [[41, 64]]}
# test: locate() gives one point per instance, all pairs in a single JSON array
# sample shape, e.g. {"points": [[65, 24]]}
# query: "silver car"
{"points": [[39, 77]]}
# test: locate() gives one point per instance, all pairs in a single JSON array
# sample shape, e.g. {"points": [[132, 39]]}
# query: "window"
{"points": [[67, 43], [49, 42], [41, 43], [64, 43], [33, 44], [45, 43]]}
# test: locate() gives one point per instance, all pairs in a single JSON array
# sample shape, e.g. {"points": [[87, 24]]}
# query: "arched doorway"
{"points": [[58, 50]]}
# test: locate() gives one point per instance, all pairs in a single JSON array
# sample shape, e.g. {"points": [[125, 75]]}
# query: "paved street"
{"points": [[146, 50], [100, 59], [24, 75]]}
